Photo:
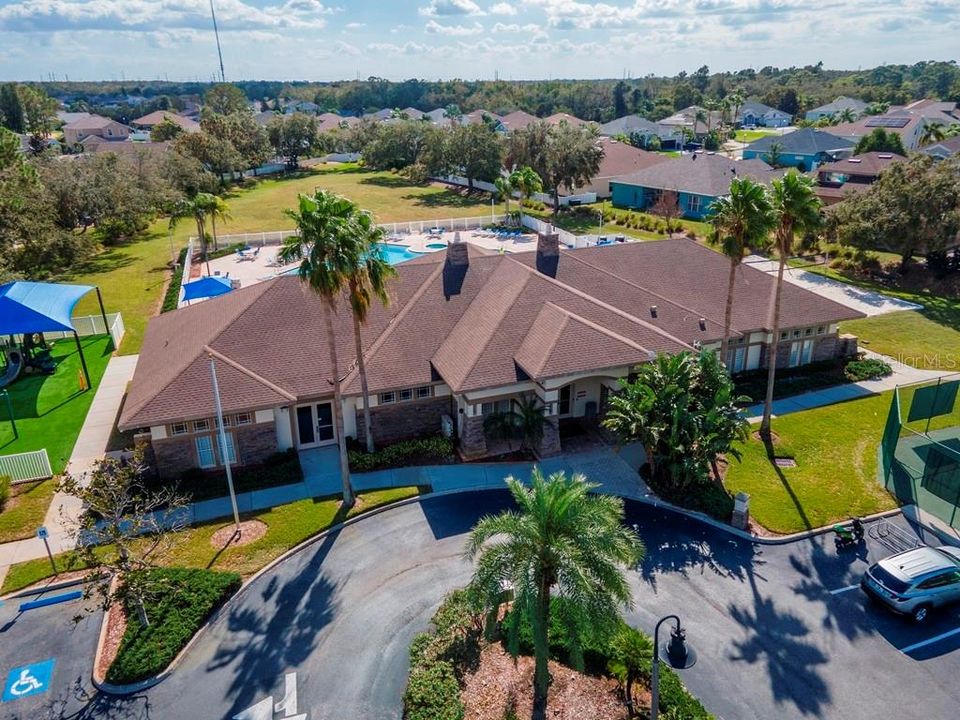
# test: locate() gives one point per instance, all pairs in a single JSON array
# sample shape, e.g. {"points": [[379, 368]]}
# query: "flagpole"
{"points": [[222, 436]]}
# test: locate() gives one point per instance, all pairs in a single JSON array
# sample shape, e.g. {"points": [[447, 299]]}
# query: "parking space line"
{"points": [[931, 641], [844, 589]]}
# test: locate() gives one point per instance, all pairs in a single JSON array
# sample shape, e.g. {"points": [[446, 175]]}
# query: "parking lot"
{"points": [[782, 631], [46, 659]]}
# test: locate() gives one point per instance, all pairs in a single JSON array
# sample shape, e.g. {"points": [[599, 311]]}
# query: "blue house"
{"points": [[803, 149], [760, 115], [694, 182]]}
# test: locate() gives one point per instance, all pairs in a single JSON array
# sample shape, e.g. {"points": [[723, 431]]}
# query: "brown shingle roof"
{"points": [[497, 323], [158, 116], [702, 174], [871, 164], [517, 120]]}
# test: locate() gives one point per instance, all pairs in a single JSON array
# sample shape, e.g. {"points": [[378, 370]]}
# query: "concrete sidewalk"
{"points": [[90, 446], [902, 375]]}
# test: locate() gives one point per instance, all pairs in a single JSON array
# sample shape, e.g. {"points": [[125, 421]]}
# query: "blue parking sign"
{"points": [[28, 680]]}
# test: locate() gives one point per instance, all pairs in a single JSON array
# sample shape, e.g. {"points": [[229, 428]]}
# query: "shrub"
{"points": [[423, 451], [281, 468], [224, 251], [183, 601], [866, 369], [172, 296], [433, 693], [4, 490]]}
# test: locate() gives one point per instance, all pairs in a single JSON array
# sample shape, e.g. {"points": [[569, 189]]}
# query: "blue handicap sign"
{"points": [[28, 680]]}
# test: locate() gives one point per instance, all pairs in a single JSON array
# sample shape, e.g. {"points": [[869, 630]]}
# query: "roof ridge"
{"points": [[599, 328], [392, 325], [476, 356], [565, 320], [250, 373], [641, 287]]}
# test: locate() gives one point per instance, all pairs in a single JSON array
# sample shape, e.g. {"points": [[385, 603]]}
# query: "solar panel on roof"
{"points": [[883, 121]]}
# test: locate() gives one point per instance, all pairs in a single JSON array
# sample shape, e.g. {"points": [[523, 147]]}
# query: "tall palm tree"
{"points": [[711, 107], [504, 190], [847, 115], [700, 117], [797, 210], [561, 541], [198, 208], [741, 221], [736, 101], [527, 181], [216, 208], [329, 249], [933, 132], [367, 281]]}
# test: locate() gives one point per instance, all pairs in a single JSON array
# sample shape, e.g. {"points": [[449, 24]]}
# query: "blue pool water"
{"points": [[394, 254]]}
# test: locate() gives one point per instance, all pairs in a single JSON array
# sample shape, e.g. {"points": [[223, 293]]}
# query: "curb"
{"points": [[111, 689]]}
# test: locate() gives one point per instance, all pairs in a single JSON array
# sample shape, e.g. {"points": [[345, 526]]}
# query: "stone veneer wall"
{"points": [[550, 444], [826, 347], [473, 441], [254, 443], [404, 420]]}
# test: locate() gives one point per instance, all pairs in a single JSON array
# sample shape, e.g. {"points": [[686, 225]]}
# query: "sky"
{"points": [[468, 39]]}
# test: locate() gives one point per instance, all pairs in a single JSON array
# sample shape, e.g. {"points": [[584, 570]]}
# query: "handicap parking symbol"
{"points": [[28, 680]]}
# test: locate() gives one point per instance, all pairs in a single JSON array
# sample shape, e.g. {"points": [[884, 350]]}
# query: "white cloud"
{"points": [[440, 8], [149, 15], [503, 8], [435, 28], [355, 25], [515, 28]]}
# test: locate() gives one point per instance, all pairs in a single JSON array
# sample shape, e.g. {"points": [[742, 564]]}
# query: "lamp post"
{"points": [[222, 437], [493, 215], [677, 653]]}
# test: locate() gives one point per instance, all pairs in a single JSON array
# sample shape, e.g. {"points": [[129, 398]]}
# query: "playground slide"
{"points": [[14, 367]]}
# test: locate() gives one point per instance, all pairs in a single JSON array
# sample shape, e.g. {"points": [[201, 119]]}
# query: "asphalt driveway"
{"points": [[779, 629]]}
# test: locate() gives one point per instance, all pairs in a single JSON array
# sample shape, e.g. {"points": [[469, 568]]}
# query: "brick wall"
{"points": [[404, 420], [254, 444], [826, 347], [473, 441]]}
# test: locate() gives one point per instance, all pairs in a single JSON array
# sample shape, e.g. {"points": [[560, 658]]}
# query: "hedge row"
{"points": [[179, 604], [281, 468], [436, 450], [172, 297], [866, 369]]}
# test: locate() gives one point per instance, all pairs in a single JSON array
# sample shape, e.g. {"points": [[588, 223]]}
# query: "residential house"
{"points": [[687, 118], [412, 113], [842, 178], [517, 120], [909, 122], [383, 114], [757, 114], [857, 107], [466, 333], [68, 117], [130, 149], [75, 132], [943, 149], [560, 117], [697, 181], [438, 117], [266, 117], [619, 159], [634, 126], [328, 121], [477, 116], [151, 120], [301, 106], [803, 149]]}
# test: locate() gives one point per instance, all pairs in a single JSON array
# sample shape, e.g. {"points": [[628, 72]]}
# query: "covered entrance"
{"points": [[315, 425]]}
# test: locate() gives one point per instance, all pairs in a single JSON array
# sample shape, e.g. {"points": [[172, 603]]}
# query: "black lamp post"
{"points": [[677, 653]]}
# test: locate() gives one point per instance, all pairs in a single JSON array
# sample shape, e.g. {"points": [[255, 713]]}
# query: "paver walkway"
{"points": [[866, 301], [90, 446]]}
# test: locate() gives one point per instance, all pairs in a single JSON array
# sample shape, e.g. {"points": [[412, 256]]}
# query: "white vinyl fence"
{"points": [[87, 325], [27, 466], [567, 238], [580, 199]]}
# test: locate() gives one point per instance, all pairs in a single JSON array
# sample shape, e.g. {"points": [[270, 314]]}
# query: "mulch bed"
{"points": [[116, 626], [250, 531], [500, 685]]}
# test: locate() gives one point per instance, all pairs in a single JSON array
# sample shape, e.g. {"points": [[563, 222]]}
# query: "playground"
{"points": [[920, 452]]}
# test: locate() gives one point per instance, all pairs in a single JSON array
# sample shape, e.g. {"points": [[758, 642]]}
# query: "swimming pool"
{"points": [[393, 254], [436, 246]]}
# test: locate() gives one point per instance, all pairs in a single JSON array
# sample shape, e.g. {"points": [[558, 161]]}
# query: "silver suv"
{"points": [[916, 581]]}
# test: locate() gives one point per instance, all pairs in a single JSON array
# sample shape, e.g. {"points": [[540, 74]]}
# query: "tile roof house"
{"points": [[839, 179], [619, 159], [149, 121], [803, 149], [328, 121], [636, 126], [517, 120], [75, 132], [697, 179], [758, 114], [466, 332], [837, 106], [476, 117]]}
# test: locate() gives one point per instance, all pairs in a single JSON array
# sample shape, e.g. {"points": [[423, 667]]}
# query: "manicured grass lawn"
{"points": [[835, 448], [288, 526], [748, 136], [25, 510], [590, 225], [131, 277]]}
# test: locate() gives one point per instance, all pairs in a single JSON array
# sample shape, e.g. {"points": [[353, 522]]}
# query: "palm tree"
{"points": [[630, 653], [561, 541], [216, 207], [933, 133], [711, 107], [741, 221], [847, 115], [329, 248], [736, 100], [367, 280], [527, 181], [199, 208], [775, 155], [952, 131], [701, 116], [797, 210], [725, 110], [504, 190]]}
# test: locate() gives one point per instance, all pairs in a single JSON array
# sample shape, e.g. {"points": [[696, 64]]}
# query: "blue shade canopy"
{"points": [[206, 287], [29, 307]]}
